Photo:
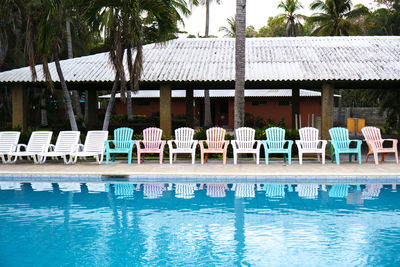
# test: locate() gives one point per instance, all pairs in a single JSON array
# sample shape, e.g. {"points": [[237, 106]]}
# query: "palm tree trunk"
{"points": [[207, 101], [129, 104], [67, 97], [240, 54], [75, 93], [110, 103]]}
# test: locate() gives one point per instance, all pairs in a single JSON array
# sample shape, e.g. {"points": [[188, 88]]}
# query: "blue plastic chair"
{"points": [[123, 143], [340, 143], [275, 144]]}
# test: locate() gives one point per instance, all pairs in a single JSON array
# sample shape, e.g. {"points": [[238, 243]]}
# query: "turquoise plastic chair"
{"points": [[123, 143], [340, 143], [275, 144]]}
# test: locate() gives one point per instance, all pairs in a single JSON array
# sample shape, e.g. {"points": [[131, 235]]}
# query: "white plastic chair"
{"points": [[66, 145], [94, 146], [244, 144], [8, 143], [309, 143], [184, 144], [39, 142]]}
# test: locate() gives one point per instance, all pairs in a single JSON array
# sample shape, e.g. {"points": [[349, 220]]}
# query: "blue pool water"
{"points": [[72, 224]]}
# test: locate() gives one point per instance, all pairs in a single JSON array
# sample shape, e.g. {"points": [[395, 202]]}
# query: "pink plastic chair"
{"points": [[375, 144], [151, 142]]}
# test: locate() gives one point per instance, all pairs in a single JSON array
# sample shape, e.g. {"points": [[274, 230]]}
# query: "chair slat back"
{"points": [[122, 136], [66, 141], [309, 137], [152, 137], [340, 136], [275, 137], [215, 137], [95, 141], [184, 137], [245, 137], [373, 135], [38, 141], [8, 141]]}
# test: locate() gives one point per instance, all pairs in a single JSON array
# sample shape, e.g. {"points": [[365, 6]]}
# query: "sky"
{"points": [[257, 14]]}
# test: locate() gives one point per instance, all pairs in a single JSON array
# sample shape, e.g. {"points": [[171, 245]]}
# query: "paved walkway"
{"points": [[214, 168]]}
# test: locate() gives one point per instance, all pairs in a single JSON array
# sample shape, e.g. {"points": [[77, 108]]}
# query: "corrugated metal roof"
{"points": [[224, 93], [267, 59]]}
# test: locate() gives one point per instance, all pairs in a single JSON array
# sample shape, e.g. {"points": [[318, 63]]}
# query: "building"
{"points": [[269, 104]]}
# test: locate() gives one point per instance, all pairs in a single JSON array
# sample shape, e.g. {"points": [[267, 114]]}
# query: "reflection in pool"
{"points": [[173, 224]]}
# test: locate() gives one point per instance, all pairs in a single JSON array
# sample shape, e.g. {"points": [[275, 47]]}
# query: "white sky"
{"points": [[257, 14]]}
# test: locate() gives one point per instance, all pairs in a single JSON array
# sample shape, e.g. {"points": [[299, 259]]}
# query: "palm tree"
{"points": [[124, 22], [230, 30], [292, 19], [207, 102], [240, 54], [335, 18], [44, 34]]}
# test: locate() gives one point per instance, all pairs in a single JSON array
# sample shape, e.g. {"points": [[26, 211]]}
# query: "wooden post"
{"points": [[326, 110], [165, 108], [19, 107], [295, 107], [92, 109], [189, 106]]}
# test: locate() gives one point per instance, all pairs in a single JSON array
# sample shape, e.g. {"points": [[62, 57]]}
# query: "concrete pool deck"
{"points": [[214, 169]]}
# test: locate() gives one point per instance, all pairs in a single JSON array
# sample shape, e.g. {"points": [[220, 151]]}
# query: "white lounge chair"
{"points": [[94, 146], [8, 143], [67, 143], [39, 142], [309, 143], [184, 144], [244, 144]]}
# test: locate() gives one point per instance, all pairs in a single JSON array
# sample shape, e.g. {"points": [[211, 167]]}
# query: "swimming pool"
{"points": [[180, 224]]}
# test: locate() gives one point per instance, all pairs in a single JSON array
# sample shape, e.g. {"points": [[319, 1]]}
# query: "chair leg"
{"points": [[396, 156], [107, 157], [193, 157], [323, 157], [366, 159], [202, 158], [359, 157], [350, 157], [206, 157], [138, 157], [300, 158], [266, 157], [171, 155], [337, 158], [258, 158], [235, 158], [130, 157], [290, 158], [376, 158], [161, 157], [383, 157], [284, 158], [224, 158]]}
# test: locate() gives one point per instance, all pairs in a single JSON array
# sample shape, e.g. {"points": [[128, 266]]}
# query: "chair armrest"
{"points": [[107, 143], [19, 146], [299, 144], [194, 144], [226, 144], [290, 143], [394, 142], [138, 142], [259, 143], [201, 143], [170, 144], [234, 145], [323, 143], [359, 142], [265, 144], [162, 144]]}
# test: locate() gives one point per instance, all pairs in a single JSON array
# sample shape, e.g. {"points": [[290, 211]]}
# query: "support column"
{"points": [[295, 106], [326, 110], [92, 109], [189, 106], [19, 107], [165, 108]]}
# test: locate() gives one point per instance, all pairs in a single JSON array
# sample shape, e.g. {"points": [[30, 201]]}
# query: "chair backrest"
{"points": [[309, 137], [244, 137], [215, 137], [152, 137], [66, 140], [95, 141], [122, 136], [373, 135], [38, 141], [8, 141], [184, 137], [275, 137], [340, 136]]}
